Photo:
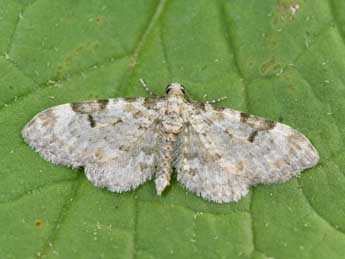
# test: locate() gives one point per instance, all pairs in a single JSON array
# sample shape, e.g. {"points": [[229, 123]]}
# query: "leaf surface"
{"points": [[279, 59]]}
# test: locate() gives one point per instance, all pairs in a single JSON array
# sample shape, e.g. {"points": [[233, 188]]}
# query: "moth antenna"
{"points": [[218, 100], [147, 89]]}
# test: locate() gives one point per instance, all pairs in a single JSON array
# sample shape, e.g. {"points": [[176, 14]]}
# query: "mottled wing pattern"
{"points": [[113, 139], [225, 151]]}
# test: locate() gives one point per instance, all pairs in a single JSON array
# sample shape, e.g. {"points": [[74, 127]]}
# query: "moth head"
{"points": [[175, 89]]}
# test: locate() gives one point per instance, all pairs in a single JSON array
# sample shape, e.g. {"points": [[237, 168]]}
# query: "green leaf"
{"points": [[267, 59]]}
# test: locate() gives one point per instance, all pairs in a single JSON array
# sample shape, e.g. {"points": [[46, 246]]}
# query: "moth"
{"points": [[218, 153]]}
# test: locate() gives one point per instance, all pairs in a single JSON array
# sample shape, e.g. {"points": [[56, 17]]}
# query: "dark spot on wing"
{"points": [[90, 106], [256, 122], [200, 106], [193, 172], [138, 114], [117, 121], [76, 107], [270, 124], [252, 136], [91, 120], [186, 127], [209, 122], [48, 118], [143, 166], [244, 117], [218, 156], [228, 132], [240, 165], [123, 148], [218, 108], [131, 99], [103, 103], [150, 102]]}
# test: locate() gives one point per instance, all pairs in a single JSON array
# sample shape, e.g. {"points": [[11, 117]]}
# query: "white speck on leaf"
{"points": [[294, 9]]}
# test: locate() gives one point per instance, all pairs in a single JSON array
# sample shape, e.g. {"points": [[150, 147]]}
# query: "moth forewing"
{"points": [[218, 152]]}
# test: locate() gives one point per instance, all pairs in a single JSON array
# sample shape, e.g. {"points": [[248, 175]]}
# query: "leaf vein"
{"points": [[37, 188], [139, 46], [165, 53], [232, 49], [135, 232], [336, 20], [51, 82], [61, 217], [19, 18], [331, 225]]}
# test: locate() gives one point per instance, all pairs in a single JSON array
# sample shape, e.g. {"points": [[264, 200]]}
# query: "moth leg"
{"points": [[147, 89], [111, 123]]}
